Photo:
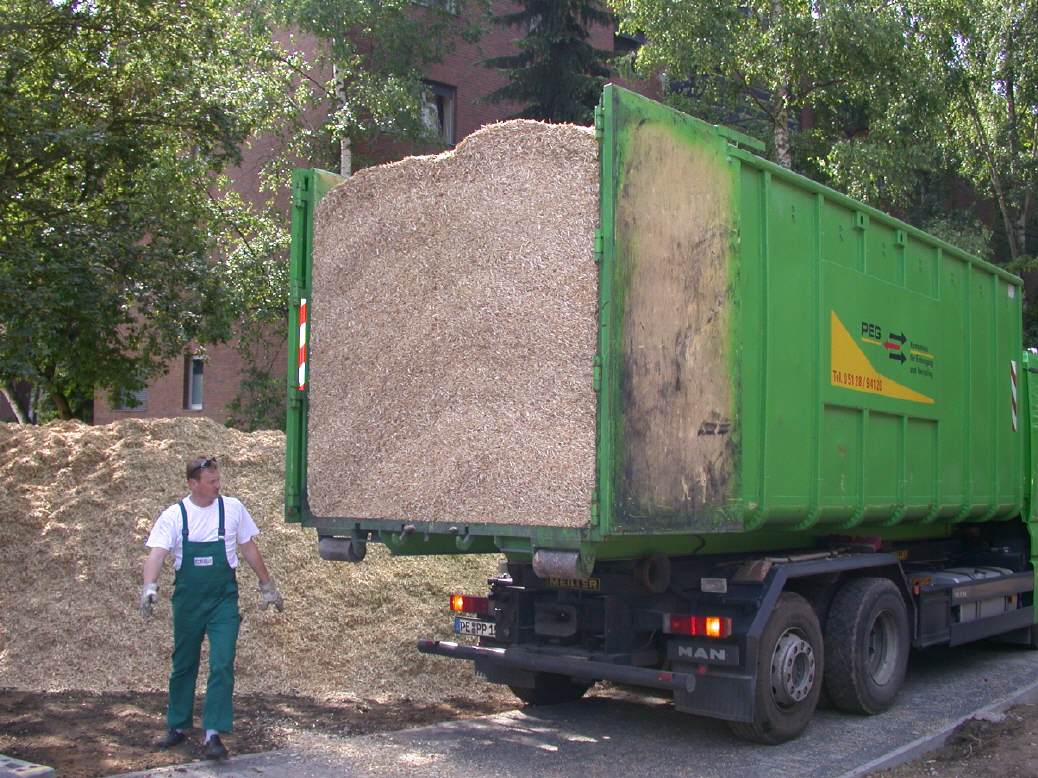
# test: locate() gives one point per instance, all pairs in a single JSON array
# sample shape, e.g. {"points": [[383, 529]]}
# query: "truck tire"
{"points": [[551, 689], [866, 645], [789, 673]]}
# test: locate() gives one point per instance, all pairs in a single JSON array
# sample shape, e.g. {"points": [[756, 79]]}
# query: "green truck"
{"points": [[867, 488]]}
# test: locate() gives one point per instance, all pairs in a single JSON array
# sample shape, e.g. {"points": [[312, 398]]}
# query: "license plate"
{"points": [[481, 629]]}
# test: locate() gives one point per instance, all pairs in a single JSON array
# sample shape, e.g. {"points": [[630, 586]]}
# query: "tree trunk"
{"points": [[35, 398], [1012, 235], [1019, 238], [61, 404], [1001, 196], [781, 136], [345, 157], [780, 103], [1021, 224], [7, 390], [345, 144]]}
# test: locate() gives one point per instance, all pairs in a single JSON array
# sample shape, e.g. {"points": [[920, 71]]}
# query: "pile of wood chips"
{"points": [[76, 506], [454, 323]]}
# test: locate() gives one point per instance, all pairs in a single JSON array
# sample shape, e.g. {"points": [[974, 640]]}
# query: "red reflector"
{"points": [[699, 626], [681, 625], [466, 603]]}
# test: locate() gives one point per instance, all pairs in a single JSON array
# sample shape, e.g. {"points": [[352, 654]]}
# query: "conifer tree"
{"points": [[557, 75]]}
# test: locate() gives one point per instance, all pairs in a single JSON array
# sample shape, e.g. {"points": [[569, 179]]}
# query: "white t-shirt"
{"points": [[203, 526]]}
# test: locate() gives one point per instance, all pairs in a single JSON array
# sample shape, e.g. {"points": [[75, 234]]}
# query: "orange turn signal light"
{"points": [[697, 626], [466, 603]]}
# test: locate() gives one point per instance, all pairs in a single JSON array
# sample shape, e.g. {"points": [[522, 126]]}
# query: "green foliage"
{"points": [[115, 118], [260, 403], [984, 52], [379, 49], [761, 64], [256, 273], [926, 108], [910, 107], [961, 120], [121, 240], [557, 75], [374, 52], [960, 229]]}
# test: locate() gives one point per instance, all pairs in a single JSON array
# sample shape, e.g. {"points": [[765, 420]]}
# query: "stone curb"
{"points": [[16, 768], [935, 740]]}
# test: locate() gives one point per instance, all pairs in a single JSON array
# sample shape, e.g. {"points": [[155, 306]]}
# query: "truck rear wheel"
{"points": [[551, 689], [866, 645], [789, 673]]}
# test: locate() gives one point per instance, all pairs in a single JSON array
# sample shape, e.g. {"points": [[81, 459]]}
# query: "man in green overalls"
{"points": [[205, 532]]}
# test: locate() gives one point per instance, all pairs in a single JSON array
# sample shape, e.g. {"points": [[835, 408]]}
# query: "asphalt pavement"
{"points": [[615, 737]]}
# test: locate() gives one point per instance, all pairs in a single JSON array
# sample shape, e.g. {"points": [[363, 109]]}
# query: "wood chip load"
{"points": [[454, 302]]}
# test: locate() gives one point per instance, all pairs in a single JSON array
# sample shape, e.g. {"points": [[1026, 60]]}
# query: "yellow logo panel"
{"points": [[851, 369]]}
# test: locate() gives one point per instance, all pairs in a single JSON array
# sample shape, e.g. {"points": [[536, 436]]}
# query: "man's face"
{"points": [[206, 487]]}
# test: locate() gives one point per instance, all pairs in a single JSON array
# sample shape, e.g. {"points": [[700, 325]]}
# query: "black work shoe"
{"points": [[214, 749], [172, 738]]}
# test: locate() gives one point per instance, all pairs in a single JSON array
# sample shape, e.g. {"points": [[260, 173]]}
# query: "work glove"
{"points": [[269, 595], [149, 594]]}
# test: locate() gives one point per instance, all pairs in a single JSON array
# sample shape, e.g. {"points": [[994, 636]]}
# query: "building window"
{"points": [[450, 6], [438, 110], [194, 368], [625, 43], [132, 401]]}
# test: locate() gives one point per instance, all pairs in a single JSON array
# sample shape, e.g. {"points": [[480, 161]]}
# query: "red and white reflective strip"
{"points": [[1012, 387], [301, 379]]}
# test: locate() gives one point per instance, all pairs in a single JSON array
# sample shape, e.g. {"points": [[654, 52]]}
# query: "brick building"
{"points": [[203, 386]]}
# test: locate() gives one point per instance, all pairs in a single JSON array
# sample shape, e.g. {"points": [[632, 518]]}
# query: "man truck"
{"points": [[812, 443]]}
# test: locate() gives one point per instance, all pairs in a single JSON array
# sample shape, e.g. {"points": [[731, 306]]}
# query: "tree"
{"points": [[121, 238], [256, 262], [961, 117], [985, 51], [557, 75], [766, 63], [116, 117], [377, 51]]}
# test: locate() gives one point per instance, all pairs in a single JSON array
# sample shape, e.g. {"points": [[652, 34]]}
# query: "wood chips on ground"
{"points": [[454, 320], [76, 506]]}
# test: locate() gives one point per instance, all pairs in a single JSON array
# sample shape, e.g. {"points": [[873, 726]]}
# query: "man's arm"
{"points": [[250, 551], [269, 594], [153, 564], [150, 587]]}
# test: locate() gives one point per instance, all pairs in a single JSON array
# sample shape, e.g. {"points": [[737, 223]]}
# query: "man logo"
{"points": [[707, 655], [701, 654]]}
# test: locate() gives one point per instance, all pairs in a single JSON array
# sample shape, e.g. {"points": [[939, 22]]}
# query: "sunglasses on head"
{"points": [[200, 465]]}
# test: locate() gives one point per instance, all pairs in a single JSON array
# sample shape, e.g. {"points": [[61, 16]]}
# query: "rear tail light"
{"points": [[697, 626], [466, 603]]}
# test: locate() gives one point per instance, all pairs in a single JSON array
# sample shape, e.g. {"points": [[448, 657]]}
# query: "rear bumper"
{"points": [[490, 659]]}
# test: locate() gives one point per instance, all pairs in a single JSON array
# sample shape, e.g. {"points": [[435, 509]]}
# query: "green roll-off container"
{"points": [[775, 361]]}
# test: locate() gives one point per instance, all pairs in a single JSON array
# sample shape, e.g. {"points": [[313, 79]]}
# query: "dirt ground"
{"points": [[72, 493], [982, 749], [90, 734]]}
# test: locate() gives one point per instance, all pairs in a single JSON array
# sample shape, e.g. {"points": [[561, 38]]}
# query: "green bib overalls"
{"points": [[205, 602]]}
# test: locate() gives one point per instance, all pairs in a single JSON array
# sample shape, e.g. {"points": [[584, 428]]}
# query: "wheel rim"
{"points": [[792, 668], [881, 649]]}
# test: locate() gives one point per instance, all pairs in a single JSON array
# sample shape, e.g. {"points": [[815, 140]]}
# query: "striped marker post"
{"points": [[301, 378], [1012, 388]]}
